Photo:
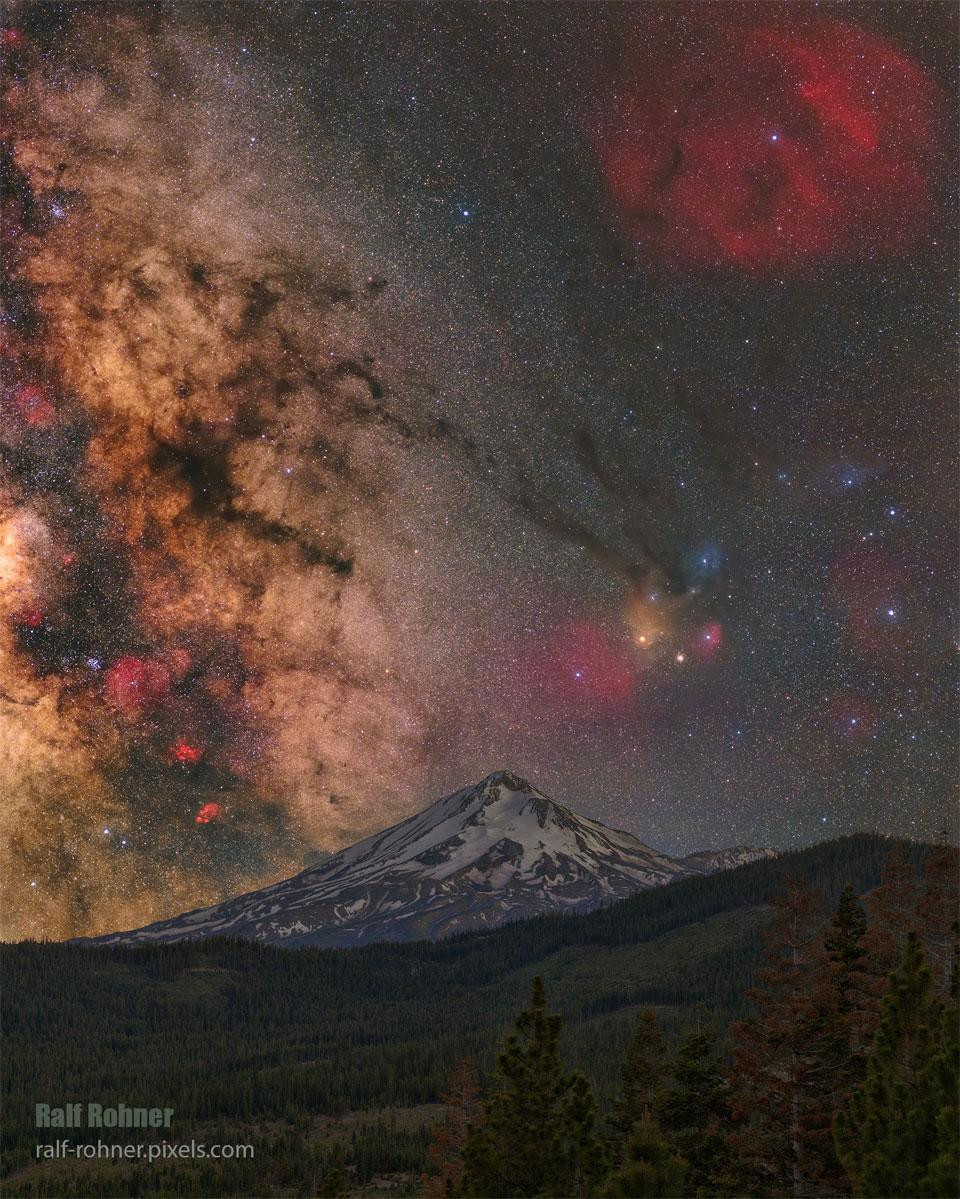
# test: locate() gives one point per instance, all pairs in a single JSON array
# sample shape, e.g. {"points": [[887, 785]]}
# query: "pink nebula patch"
{"points": [[209, 813], [136, 685], [32, 405], [185, 752], [770, 145], [581, 667]]}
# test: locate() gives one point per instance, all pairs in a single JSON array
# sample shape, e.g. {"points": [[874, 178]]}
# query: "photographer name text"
{"points": [[96, 1115]]}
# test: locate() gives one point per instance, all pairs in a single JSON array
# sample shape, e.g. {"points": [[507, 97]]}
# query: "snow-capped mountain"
{"points": [[494, 852], [707, 860]]}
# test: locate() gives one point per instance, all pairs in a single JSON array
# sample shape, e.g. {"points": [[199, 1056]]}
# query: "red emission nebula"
{"points": [[772, 144]]}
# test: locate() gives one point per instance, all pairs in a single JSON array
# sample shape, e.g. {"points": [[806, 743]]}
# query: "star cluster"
{"points": [[396, 393]]}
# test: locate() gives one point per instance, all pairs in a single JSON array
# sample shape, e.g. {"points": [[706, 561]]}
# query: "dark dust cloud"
{"points": [[393, 393]]}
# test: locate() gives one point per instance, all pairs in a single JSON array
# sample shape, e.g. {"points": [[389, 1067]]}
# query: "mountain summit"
{"points": [[498, 851]]}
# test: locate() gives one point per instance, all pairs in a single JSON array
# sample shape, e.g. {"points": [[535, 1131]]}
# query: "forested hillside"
{"points": [[245, 1041]]}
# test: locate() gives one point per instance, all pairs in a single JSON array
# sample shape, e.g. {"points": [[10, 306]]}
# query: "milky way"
{"points": [[392, 395]]}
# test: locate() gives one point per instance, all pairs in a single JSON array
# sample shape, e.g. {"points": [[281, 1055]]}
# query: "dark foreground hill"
{"points": [[238, 1036]]}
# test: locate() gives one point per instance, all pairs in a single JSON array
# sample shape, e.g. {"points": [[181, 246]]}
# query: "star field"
{"points": [[393, 394]]}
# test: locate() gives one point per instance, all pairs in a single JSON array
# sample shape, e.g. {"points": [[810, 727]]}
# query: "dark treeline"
{"points": [[254, 1044], [842, 1079]]}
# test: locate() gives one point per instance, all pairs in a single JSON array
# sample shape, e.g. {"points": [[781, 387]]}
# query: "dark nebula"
{"points": [[392, 394]]}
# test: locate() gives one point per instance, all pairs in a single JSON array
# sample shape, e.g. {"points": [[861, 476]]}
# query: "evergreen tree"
{"points": [[843, 941], [693, 1113], [937, 911], [586, 1161], [941, 1084], [537, 1133], [891, 908], [445, 1152], [640, 1074], [335, 1185], [772, 1058], [886, 1137], [832, 1038], [651, 1169]]}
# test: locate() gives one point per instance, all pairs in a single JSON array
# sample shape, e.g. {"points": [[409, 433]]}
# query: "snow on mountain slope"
{"points": [[497, 851], [708, 860]]}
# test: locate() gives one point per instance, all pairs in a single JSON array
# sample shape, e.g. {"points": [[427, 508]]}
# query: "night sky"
{"points": [[396, 393]]}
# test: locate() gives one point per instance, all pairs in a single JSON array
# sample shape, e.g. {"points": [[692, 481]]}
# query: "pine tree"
{"points": [[651, 1168], [335, 1185], [941, 1084], [846, 982], [891, 908], [772, 1057], [937, 911], [536, 1135], [832, 1038], [693, 1112], [886, 1137], [640, 1074], [843, 939], [586, 1161], [445, 1152]]}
